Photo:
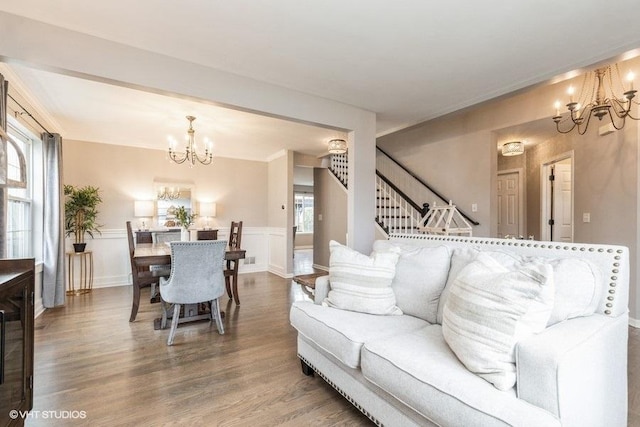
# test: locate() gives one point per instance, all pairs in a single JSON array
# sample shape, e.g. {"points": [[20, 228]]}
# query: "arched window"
{"points": [[19, 198], [16, 163]]}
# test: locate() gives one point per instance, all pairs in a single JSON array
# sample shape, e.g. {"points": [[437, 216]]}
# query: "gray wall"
{"points": [[330, 201]]}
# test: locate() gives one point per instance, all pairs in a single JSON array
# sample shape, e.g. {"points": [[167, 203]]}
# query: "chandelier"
{"points": [[168, 193], [190, 155], [597, 98], [513, 148]]}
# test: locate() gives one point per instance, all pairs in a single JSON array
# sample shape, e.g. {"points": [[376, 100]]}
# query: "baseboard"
{"points": [[634, 323], [38, 308]]}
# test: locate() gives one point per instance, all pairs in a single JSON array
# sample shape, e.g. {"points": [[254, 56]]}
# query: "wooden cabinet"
{"points": [[16, 339], [207, 235]]}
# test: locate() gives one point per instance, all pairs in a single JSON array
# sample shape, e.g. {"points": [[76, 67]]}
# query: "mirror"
{"points": [[170, 196]]}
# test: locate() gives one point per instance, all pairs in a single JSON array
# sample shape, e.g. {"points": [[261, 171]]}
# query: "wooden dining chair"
{"points": [[141, 277], [231, 272], [197, 275]]}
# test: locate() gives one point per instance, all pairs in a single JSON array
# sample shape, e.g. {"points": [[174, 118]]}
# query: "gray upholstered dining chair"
{"points": [[197, 276]]}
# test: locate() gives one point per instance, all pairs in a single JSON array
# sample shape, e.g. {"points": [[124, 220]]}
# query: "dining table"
{"points": [[149, 254]]}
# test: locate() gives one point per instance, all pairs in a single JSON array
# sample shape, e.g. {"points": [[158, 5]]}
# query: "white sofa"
{"points": [[399, 370]]}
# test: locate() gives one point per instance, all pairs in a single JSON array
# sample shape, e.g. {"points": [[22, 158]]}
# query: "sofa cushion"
{"points": [[419, 369], [421, 274], [490, 308], [362, 283], [577, 282], [342, 333]]}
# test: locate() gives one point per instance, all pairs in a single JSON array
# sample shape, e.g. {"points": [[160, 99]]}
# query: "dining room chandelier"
{"points": [[190, 155], [597, 97]]}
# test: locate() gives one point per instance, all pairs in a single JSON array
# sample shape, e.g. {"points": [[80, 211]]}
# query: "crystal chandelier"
{"points": [[597, 98], [168, 193], [190, 155], [337, 146], [513, 148]]}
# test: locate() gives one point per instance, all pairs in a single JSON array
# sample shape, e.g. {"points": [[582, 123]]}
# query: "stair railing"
{"points": [[395, 212], [339, 166], [411, 184]]}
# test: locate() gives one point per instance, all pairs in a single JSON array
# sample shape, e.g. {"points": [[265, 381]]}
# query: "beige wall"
{"points": [[457, 154], [124, 174], [330, 201], [278, 185], [459, 167]]}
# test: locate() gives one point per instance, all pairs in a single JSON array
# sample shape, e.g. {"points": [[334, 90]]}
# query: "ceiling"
{"points": [[409, 62]]}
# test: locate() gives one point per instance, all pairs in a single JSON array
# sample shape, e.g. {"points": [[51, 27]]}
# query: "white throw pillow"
{"points": [[362, 283], [421, 274], [460, 258], [490, 308]]}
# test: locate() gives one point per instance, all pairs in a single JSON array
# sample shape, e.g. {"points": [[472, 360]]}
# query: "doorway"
{"points": [[510, 204], [557, 200]]}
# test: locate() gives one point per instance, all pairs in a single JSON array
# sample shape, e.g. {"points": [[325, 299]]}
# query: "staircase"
{"points": [[397, 188]]}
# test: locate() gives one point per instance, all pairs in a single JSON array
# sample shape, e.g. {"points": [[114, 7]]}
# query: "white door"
{"points": [[509, 204], [563, 203], [558, 202]]}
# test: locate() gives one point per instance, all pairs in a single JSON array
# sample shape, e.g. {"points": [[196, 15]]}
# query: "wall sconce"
{"points": [[207, 210], [143, 209]]}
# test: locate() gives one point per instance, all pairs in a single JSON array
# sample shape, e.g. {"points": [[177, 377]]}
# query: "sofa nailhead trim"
{"points": [[345, 395], [498, 242]]}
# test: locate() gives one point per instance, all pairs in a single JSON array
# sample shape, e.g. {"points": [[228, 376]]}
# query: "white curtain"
{"points": [[4, 89], [53, 286]]}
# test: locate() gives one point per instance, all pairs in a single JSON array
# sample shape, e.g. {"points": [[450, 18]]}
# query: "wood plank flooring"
{"points": [[89, 358]]}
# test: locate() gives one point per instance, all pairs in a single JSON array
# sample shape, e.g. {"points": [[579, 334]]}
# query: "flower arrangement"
{"points": [[184, 218]]}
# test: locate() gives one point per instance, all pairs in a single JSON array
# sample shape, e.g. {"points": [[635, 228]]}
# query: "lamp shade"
{"points": [[512, 148], [143, 208], [207, 209]]}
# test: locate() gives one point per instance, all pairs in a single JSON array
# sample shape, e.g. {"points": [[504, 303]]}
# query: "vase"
{"points": [[79, 247], [184, 235]]}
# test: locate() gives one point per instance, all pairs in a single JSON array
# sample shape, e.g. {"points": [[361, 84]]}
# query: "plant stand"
{"points": [[85, 278]]}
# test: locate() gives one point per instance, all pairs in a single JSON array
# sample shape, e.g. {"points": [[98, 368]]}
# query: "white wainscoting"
{"points": [[277, 252], [111, 254]]}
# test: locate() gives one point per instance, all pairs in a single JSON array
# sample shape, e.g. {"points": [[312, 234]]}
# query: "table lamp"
{"points": [[207, 210], [143, 209]]}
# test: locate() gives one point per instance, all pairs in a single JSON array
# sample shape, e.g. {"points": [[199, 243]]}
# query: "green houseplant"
{"points": [[80, 213], [184, 218]]}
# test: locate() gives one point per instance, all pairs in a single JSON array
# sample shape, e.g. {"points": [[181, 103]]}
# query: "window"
{"points": [[19, 201], [304, 212]]}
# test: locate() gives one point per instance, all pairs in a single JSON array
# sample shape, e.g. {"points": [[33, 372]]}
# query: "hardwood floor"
{"points": [[89, 358]]}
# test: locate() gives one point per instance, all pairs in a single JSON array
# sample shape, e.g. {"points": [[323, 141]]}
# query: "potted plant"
{"points": [[80, 213], [185, 219]]}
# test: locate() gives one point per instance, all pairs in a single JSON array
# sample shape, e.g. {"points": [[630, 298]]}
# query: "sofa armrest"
{"points": [[577, 370], [321, 290]]}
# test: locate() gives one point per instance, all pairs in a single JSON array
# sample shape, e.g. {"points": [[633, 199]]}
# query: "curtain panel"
{"points": [[53, 286], [4, 89]]}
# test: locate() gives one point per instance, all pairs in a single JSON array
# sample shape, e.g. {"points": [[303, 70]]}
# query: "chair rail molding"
{"points": [[111, 255]]}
